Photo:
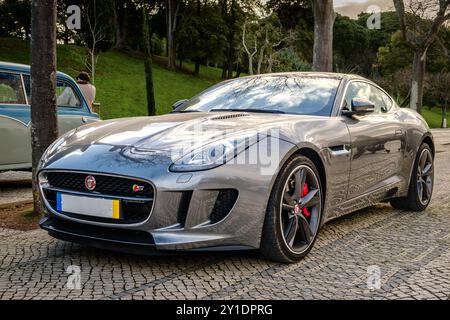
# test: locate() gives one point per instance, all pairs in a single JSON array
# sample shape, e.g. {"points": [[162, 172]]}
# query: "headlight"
{"points": [[215, 154]]}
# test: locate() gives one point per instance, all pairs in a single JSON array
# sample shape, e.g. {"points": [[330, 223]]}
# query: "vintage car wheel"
{"points": [[422, 182], [294, 212]]}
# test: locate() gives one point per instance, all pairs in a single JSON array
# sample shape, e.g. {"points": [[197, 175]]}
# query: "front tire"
{"points": [[421, 184], [294, 212]]}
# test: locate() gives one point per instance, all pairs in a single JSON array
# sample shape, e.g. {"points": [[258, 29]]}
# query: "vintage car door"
{"points": [[73, 110], [377, 141], [15, 140]]}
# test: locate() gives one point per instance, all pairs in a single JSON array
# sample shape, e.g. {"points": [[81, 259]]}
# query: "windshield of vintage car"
{"points": [[305, 95]]}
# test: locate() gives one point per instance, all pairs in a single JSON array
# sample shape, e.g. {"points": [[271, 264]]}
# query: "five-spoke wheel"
{"points": [[300, 209], [421, 186], [425, 177], [294, 212]]}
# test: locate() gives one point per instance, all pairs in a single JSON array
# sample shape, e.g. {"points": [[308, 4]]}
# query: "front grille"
{"points": [[106, 185], [135, 207]]}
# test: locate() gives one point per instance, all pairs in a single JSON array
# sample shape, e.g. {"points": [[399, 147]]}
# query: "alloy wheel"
{"points": [[425, 177], [300, 209]]}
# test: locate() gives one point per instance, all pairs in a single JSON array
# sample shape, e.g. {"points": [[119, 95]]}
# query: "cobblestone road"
{"points": [[412, 251]]}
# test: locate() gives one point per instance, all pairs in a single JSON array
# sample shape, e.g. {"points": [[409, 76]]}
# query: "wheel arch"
{"points": [[315, 157], [428, 139]]}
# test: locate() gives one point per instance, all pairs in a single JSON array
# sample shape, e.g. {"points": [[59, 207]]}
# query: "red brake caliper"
{"points": [[306, 211]]}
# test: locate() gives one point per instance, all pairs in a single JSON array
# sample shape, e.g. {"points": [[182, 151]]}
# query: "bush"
{"points": [[158, 45]]}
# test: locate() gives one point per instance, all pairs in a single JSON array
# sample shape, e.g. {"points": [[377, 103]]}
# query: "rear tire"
{"points": [[421, 183], [277, 242]]}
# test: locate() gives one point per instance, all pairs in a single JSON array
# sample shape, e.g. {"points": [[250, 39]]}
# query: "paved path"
{"points": [[411, 250]]}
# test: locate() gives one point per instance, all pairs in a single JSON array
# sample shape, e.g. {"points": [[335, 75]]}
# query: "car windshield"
{"points": [[305, 95]]}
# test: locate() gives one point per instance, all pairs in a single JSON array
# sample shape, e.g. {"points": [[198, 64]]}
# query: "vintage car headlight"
{"points": [[215, 154]]}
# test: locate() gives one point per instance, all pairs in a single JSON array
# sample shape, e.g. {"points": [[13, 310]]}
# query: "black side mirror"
{"points": [[360, 107], [178, 104]]}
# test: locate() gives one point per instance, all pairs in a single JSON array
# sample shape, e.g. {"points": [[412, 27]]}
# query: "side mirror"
{"points": [[178, 104], [360, 107]]}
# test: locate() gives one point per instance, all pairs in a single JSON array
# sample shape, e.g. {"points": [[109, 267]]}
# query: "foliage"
{"points": [[287, 60], [15, 18], [351, 44]]}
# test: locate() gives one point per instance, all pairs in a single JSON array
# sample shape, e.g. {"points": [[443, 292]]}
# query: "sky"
{"points": [[352, 8]]}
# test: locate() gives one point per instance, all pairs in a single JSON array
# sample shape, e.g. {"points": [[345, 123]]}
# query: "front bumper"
{"points": [[174, 223]]}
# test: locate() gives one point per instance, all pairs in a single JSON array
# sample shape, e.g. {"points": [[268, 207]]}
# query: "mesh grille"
{"points": [[134, 210], [107, 185]]}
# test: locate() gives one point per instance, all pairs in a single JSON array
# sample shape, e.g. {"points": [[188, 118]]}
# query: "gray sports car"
{"points": [[258, 162]]}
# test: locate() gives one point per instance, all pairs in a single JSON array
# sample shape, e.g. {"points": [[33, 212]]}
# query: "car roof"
{"points": [[23, 68], [331, 75]]}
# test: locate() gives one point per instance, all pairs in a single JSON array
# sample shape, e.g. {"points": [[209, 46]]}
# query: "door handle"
{"points": [[399, 132]]}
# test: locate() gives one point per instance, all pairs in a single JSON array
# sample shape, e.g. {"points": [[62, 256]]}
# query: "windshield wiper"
{"points": [[248, 110]]}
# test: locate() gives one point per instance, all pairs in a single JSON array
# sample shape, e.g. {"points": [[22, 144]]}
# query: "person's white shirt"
{"points": [[68, 98], [89, 92]]}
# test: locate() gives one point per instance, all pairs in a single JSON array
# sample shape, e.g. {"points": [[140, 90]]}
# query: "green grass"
{"points": [[120, 78], [434, 117]]}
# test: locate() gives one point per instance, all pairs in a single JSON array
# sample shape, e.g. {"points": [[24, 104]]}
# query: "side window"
{"points": [[368, 92], [66, 96], [27, 83], [356, 90], [382, 101], [11, 89]]}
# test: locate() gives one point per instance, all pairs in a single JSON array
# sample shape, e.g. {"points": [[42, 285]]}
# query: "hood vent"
{"points": [[229, 116]]}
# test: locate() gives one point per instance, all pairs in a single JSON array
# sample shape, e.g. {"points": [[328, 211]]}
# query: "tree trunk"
{"points": [[44, 124], [151, 105], [323, 35], [250, 65], [171, 17], [121, 23], [418, 75], [232, 32], [238, 70], [261, 56], [224, 71], [230, 57], [444, 115], [197, 68]]}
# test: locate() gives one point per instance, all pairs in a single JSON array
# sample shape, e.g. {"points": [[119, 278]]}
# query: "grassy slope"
{"points": [[120, 79], [434, 117]]}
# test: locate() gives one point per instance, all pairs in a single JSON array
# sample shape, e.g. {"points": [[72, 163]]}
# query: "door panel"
{"points": [[15, 140], [376, 152], [377, 141]]}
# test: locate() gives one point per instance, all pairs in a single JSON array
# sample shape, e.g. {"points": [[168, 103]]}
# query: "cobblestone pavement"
{"points": [[412, 251]]}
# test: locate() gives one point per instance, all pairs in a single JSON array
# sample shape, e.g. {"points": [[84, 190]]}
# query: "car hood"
{"points": [[177, 131]]}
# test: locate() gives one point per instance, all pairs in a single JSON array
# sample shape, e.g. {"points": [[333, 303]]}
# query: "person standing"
{"points": [[88, 89]]}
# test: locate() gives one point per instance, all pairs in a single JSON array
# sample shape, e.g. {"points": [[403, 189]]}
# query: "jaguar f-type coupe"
{"points": [[259, 162]]}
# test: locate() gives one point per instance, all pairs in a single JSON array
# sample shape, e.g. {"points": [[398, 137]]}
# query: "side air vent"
{"points": [[184, 207], [229, 116], [224, 203]]}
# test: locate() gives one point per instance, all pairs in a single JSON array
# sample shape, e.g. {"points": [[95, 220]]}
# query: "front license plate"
{"points": [[95, 207]]}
